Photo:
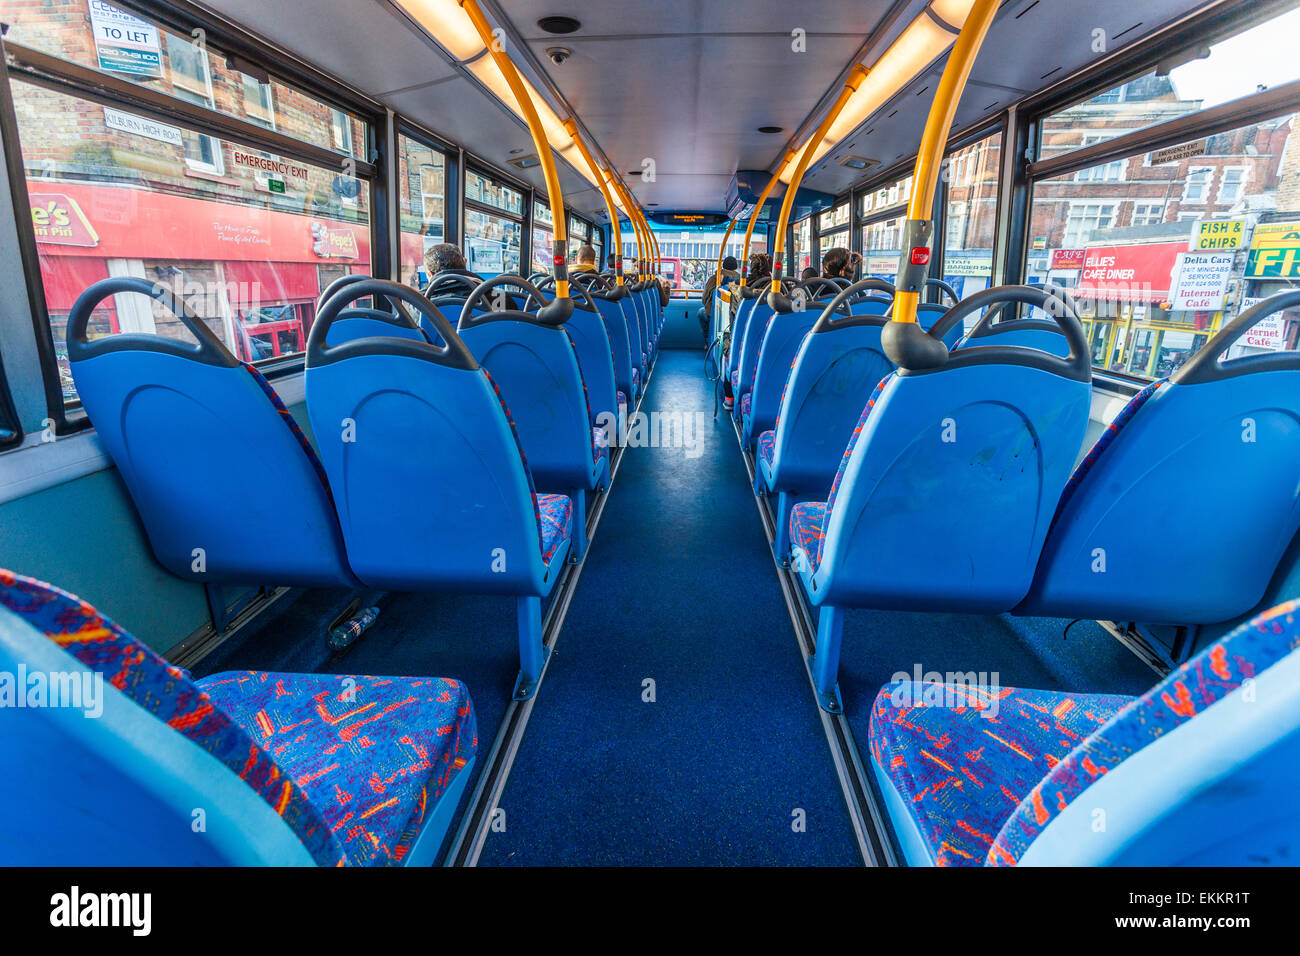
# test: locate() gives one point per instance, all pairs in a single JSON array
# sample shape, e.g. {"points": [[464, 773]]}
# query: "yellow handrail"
{"points": [[758, 206], [598, 175], [914, 262], [856, 76], [516, 84], [722, 252], [629, 206]]}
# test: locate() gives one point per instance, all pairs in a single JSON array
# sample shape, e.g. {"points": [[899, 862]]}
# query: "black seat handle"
{"points": [[783, 304], [829, 319], [453, 354], [1206, 365], [545, 315], [207, 348], [926, 352], [346, 280], [444, 284], [588, 303]]}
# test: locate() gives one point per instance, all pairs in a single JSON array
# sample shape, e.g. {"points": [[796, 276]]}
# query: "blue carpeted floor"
{"points": [[679, 589]]}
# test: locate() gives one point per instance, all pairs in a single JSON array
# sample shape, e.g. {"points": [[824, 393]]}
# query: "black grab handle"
{"points": [[208, 349], [828, 320], [936, 356], [454, 353]]}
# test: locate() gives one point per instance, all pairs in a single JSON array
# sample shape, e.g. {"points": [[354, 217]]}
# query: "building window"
{"points": [[340, 131], [1084, 218], [1148, 213], [1196, 187], [1231, 184]]}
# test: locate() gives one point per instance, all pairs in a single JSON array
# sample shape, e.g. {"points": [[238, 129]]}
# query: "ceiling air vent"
{"points": [[525, 162]]}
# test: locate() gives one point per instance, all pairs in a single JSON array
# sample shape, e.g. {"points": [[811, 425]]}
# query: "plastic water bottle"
{"points": [[347, 632]]}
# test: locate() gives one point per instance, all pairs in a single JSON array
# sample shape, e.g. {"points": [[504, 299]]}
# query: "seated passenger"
{"points": [[808, 273], [445, 258], [839, 263], [586, 260]]}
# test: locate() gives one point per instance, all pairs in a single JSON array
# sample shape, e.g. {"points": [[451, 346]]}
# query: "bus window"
{"points": [[971, 177], [113, 193], [492, 240], [1162, 248], [543, 237], [422, 186]]}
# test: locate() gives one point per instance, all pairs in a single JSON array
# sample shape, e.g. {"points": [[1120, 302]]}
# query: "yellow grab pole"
{"points": [[516, 84], [856, 76], [914, 263], [629, 206], [758, 207], [572, 128], [722, 253]]}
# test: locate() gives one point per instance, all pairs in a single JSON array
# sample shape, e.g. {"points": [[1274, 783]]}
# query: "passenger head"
{"points": [[586, 256], [808, 273], [835, 262], [442, 257], [730, 264], [760, 264], [611, 261]]}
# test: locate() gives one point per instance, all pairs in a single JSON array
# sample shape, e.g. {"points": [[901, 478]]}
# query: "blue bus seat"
{"points": [[1222, 434], [364, 321], [1199, 771], [945, 490], [586, 329], [747, 347], [781, 343], [839, 361], [270, 758], [190, 428], [636, 336], [1029, 333], [738, 326], [434, 492], [535, 365], [627, 378]]}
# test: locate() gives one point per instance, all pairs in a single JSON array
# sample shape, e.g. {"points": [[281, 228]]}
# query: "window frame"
{"points": [[49, 72]]}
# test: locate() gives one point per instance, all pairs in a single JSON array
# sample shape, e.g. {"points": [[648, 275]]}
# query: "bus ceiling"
{"points": [[677, 103]]}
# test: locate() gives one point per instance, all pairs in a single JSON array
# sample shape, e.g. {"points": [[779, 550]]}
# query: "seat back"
{"points": [[839, 362], [591, 342], [785, 335], [1225, 435], [611, 314], [636, 337], [1027, 333], [369, 323], [747, 363], [138, 747], [536, 368], [190, 428], [1199, 771], [433, 487], [945, 491], [743, 312]]}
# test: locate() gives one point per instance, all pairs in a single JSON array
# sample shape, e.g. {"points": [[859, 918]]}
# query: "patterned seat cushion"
{"points": [[767, 446], [599, 443], [735, 379], [168, 694], [808, 530], [746, 403], [557, 522], [981, 789], [373, 754], [622, 399], [636, 377], [961, 758]]}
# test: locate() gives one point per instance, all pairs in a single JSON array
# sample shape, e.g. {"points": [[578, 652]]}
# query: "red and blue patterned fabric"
{"points": [[1123, 418], [735, 379], [747, 403], [599, 443], [597, 452], [167, 693], [1207, 678], [961, 766], [555, 512], [982, 788], [622, 399], [372, 754], [636, 377], [292, 425], [808, 530], [767, 447], [808, 521]]}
